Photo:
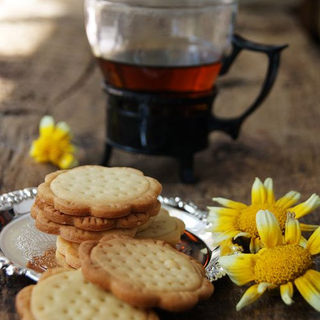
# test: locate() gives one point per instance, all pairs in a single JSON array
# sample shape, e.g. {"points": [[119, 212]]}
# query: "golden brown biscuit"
{"points": [[66, 295], [70, 252], [71, 233], [158, 229], [61, 261], [23, 299], [100, 191], [90, 223], [145, 273], [163, 227]]}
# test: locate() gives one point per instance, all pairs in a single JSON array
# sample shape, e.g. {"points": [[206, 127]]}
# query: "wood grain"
{"points": [[281, 140]]}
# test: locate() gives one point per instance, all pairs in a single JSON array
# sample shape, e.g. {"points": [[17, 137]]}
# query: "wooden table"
{"points": [[46, 67]]}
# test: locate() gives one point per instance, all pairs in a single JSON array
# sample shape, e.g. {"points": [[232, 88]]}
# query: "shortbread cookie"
{"points": [[23, 299], [100, 191], [70, 249], [71, 233], [70, 252], [163, 227], [61, 261], [42, 223], [66, 295], [145, 272], [147, 224], [90, 223]]}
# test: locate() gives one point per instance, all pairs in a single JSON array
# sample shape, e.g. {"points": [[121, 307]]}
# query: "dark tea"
{"points": [[193, 78], [160, 103], [182, 69]]}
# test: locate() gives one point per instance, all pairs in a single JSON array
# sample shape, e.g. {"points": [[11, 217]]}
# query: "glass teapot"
{"points": [[160, 60]]}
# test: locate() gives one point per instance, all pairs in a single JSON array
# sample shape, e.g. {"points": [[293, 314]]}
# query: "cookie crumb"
{"points": [[44, 262]]}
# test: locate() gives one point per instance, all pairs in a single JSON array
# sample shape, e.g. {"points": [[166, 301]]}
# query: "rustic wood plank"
{"points": [[280, 140]]}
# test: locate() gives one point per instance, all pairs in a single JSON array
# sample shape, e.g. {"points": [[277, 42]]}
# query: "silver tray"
{"points": [[20, 241]]}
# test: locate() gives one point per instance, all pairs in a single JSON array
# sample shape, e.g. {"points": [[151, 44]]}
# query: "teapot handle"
{"points": [[232, 126]]}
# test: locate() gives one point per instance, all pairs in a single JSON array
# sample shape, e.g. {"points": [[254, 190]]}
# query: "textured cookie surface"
{"points": [[163, 227], [66, 295], [100, 191], [145, 273]]}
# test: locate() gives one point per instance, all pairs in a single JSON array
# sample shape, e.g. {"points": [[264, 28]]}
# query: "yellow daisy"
{"points": [[281, 262], [54, 144], [237, 219]]}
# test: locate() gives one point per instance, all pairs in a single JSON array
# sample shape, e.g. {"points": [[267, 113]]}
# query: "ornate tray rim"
{"points": [[8, 200]]}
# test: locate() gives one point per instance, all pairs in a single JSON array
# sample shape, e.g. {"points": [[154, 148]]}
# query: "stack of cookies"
{"points": [[120, 278], [93, 202], [106, 220]]}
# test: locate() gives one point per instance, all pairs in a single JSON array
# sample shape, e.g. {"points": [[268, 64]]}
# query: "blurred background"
{"points": [[46, 67]]}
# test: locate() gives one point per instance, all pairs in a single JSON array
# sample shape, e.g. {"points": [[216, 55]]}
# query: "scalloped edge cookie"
{"points": [[56, 191], [140, 295], [24, 303], [159, 230]]}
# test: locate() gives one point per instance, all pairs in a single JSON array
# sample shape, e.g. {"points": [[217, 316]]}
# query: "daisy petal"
{"points": [[268, 184], [268, 229], [314, 277], [242, 234], [33, 150], [63, 126], [308, 227], [303, 242], [46, 121], [286, 291], [263, 286], [255, 245], [225, 248], [230, 203], [219, 211], [213, 216], [292, 233], [313, 244], [222, 224], [306, 207], [239, 267], [288, 199], [67, 161], [258, 192], [251, 295], [62, 130], [46, 126], [228, 247], [218, 237], [308, 288]]}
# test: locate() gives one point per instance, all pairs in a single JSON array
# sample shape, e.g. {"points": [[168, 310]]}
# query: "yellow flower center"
{"points": [[247, 217], [281, 264]]}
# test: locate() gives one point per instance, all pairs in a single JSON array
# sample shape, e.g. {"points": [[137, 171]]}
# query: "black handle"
{"points": [[232, 126]]}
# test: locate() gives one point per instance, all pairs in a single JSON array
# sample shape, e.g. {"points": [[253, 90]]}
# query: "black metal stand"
{"points": [[178, 125], [107, 154], [186, 169]]}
